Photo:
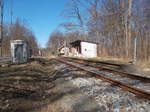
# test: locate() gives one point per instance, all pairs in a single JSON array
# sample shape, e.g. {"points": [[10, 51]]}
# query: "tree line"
{"points": [[121, 27], [18, 31]]}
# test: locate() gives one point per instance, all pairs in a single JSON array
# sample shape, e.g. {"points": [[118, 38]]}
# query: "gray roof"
{"points": [[78, 41]]}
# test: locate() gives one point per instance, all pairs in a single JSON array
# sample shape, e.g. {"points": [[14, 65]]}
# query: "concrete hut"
{"points": [[84, 49], [19, 51]]}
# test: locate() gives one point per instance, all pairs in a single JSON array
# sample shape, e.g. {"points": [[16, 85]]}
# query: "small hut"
{"points": [[84, 49], [19, 51]]}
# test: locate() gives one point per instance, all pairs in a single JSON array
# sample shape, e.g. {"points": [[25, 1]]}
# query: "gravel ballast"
{"points": [[132, 82], [111, 98]]}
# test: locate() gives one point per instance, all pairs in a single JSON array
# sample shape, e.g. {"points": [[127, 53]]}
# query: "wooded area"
{"points": [[121, 27], [18, 31], [97, 60]]}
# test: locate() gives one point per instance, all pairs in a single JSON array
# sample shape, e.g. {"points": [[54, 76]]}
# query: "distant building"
{"points": [[19, 51], [64, 51], [84, 49]]}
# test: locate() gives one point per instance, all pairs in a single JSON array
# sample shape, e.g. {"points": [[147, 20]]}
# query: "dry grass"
{"points": [[25, 87], [144, 67]]}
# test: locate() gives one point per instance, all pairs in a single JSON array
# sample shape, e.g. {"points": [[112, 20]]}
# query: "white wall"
{"points": [[88, 49]]}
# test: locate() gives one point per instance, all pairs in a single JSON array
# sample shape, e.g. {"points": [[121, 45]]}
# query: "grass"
{"points": [[144, 67]]}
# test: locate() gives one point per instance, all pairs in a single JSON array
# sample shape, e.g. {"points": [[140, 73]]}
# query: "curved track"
{"points": [[126, 87], [115, 72]]}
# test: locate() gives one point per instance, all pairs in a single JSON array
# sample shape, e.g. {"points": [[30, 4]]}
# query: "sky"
{"points": [[41, 16]]}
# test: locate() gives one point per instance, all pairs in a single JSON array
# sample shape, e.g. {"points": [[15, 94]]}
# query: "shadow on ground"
{"points": [[23, 89], [27, 88]]}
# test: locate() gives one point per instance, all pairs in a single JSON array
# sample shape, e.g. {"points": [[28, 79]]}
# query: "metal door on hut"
{"points": [[19, 52]]}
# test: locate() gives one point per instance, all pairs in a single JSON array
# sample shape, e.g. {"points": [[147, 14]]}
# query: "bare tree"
{"points": [[18, 31], [1, 25], [55, 41], [78, 14], [114, 24], [128, 29]]}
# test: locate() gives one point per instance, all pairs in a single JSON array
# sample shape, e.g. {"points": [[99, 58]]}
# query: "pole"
{"points": [[135, 49], [11, 11], [1, 26]]}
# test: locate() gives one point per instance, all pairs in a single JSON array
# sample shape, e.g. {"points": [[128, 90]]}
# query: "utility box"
{"points": [[19, 51]]}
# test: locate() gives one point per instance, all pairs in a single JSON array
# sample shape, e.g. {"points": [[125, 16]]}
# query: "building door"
{"points": [[19, 53]]}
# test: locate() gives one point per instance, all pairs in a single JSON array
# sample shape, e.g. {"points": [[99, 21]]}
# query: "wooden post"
{"points": [[135, 49]]}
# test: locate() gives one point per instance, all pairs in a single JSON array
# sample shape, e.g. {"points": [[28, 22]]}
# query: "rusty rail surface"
{"points": [[124, 74], [136, 91], [94, 61]]}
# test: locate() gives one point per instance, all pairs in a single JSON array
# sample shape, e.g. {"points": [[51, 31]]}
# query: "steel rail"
{"points": [[94, 61], [124, 74], [136, 91]]}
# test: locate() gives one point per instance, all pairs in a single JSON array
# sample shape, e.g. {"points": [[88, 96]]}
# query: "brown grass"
{"points": [[144, 67], [25, 87]]}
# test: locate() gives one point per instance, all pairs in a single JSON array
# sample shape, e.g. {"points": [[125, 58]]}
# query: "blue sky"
{"points": [[42, 16]]}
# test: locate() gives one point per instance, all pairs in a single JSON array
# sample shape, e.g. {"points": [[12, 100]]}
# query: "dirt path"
{"points": [[68, 98]]}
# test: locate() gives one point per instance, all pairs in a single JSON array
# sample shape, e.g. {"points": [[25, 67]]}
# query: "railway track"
{"points": [[79, 66], [113, 65], [115, 72]]}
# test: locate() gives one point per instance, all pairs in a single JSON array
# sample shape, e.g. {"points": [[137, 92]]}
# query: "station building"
{"points": [[84, 49], [80, 48]]}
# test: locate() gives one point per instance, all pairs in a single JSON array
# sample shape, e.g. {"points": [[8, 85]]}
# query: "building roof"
{"points": [[59, 49], [18, 41], [79, 41]]}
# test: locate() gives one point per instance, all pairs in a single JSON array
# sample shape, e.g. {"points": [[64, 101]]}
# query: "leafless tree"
{"points": [[114, 24], [18, 31], [55, 41]]}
